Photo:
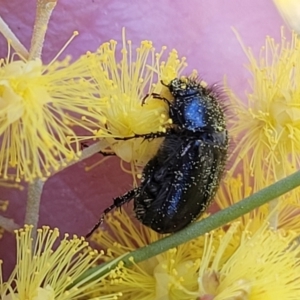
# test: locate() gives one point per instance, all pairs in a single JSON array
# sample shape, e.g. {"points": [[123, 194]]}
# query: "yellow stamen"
{"points": [[124, 108], [266, 129], [38, 110], [46, 269]]}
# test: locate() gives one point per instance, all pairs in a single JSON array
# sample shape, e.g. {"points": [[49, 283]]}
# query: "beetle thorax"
{"points": [[195, 107]]}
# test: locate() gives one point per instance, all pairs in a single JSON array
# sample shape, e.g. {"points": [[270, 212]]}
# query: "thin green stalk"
{"points": [[199, 228], [273, 205]]}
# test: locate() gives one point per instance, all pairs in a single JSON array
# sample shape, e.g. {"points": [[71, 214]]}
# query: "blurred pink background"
{"points": [[200, 30]]}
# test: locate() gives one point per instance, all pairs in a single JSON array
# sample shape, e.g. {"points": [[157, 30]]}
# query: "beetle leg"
{"points": [[118, 202], [162, 83], [155, 96], [146, 136], [107, 153], [104, 153], [158, 96], [144, 99]]}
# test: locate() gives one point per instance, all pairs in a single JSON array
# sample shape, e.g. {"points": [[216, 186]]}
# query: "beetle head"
{"points": [[181, 87]]}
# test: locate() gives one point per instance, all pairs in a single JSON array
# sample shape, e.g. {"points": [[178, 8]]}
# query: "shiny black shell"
{"points": [[180, 181]]}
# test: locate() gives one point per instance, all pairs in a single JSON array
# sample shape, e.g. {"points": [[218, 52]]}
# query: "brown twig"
{"points": [[8, 224], [44, 10]]}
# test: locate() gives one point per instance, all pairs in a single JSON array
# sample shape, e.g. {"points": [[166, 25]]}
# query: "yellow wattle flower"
{"points": [[290, 12], [39, 105], [235, 188], [267, 128], [265, 265], [213, 266], [124, 108], [170, 275], [45, 270]]}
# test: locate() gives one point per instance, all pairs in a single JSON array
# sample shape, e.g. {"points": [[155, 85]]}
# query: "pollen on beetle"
{"points": [[126, 106]]}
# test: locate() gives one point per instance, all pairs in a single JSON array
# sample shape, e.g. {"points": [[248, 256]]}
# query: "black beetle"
{"points": [[179, 182]]}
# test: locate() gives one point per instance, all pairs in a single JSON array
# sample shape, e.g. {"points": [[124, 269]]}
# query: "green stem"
{"points": [[274, 204], [212, 222]]}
